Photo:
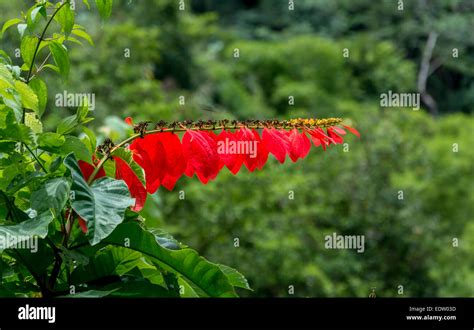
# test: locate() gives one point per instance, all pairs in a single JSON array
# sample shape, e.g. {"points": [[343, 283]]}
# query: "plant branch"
{"points": [[36, 158], [40, 39]]}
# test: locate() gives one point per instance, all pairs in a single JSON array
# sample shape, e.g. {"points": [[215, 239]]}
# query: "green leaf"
{"points": [[41, 91], [83, 35], [89, 139], [65, 17], [37, 262], [10, 130], [74, 144], [27, 49], [86, 2], [67, 125], [110, 261], [29, 99], [53, 194], [61, 57], [10, 23], [21, 29], [50, 141], [102, 205], [33, 122], [104, 7], [207, 277], [37, 226], [22, 180], [235, 277]]}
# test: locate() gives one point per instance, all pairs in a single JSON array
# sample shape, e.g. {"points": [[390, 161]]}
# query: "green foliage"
{"points": [[44, 194]]}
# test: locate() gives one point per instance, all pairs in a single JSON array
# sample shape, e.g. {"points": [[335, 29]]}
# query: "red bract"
{"points": [[149, 153], [233, 161], [135, 186], [200, 150], [276, 142], [299, 144], [87, 170]]}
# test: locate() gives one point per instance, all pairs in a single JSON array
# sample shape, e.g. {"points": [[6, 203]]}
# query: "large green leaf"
{"points": [[23, 231], [102, 205], [116, 261], [207, 277], [53, 194]]}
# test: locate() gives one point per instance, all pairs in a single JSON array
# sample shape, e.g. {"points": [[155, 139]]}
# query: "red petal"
{"points": [[319, 138], [201, 152], [149, 153], [175, 159], [352, 130], [262, 151], [339, 130], [137, 191], [170, 181], [300, 145], [333, 135], [87, 170], [276, 142]]}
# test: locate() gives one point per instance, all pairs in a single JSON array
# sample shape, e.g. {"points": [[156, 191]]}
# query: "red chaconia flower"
{"points": [[201, 152], [164, 157]]}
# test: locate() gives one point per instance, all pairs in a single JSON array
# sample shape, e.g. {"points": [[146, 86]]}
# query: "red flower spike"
{"points": [[200, 150], [135, 186], [352, 130], [276, 142], [149, 153], [300, 144]]}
